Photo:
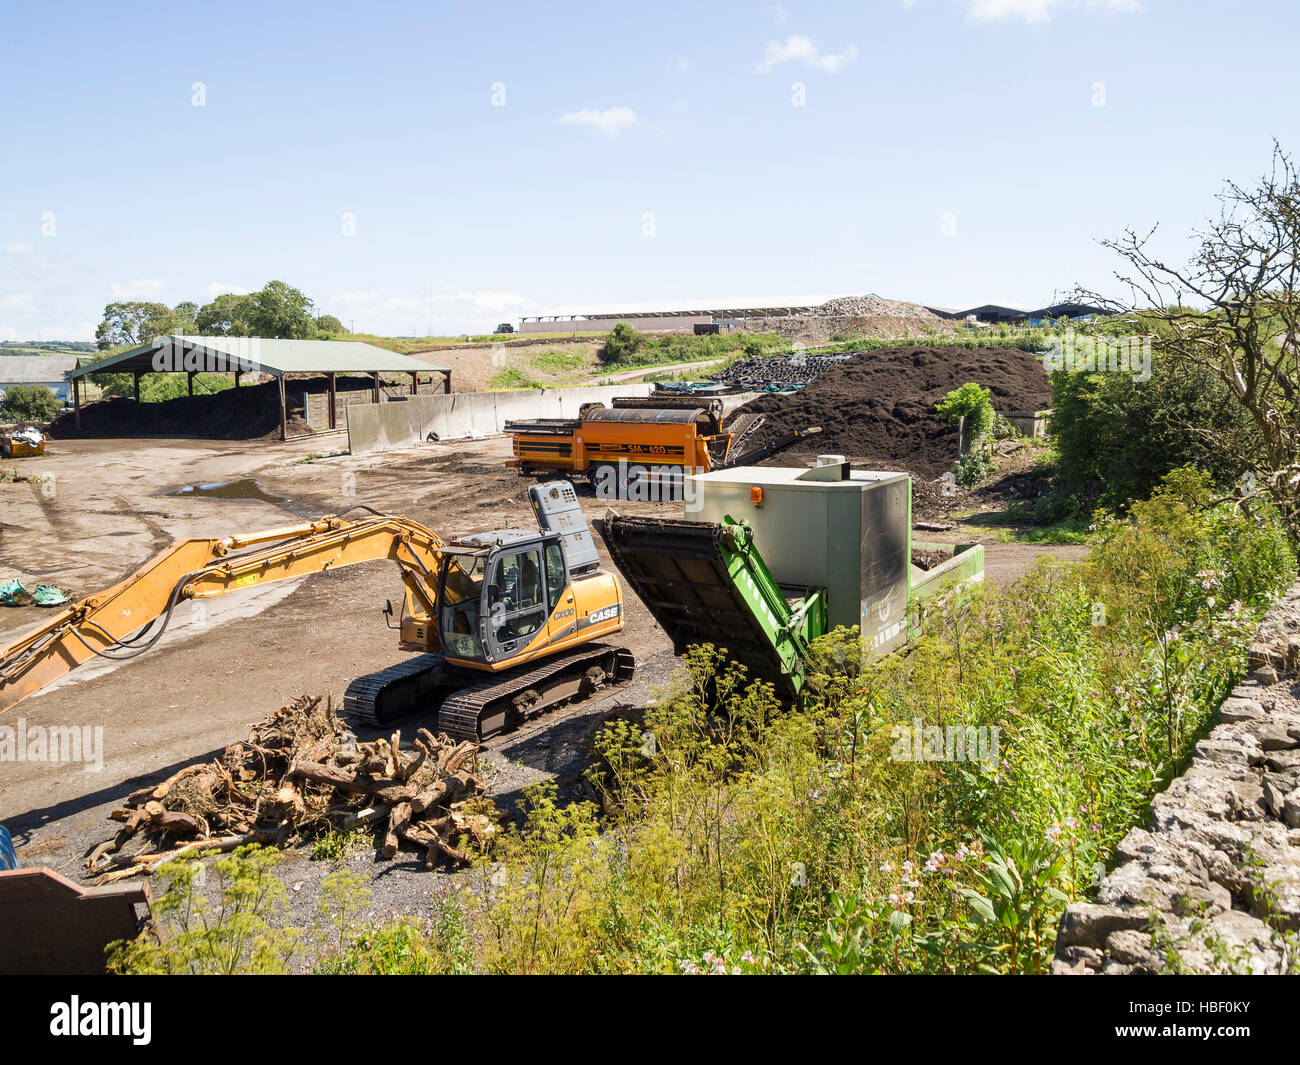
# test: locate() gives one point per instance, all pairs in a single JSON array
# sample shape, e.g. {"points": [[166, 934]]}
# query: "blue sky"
{"points": [[499, 159]]}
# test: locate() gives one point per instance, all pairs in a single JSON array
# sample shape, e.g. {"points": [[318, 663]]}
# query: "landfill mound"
{"points": [[852, 316], [872, 305], [878, 406], [248, 412]]}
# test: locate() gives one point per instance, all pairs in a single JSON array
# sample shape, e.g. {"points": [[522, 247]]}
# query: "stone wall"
{"points": [[1212, 884]]}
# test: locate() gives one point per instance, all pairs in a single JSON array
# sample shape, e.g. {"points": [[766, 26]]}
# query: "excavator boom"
{"points": [[543, 617], [130, 617]]}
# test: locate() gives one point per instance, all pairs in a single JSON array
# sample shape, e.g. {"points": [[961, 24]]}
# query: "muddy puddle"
{"points": [[239, 489]]}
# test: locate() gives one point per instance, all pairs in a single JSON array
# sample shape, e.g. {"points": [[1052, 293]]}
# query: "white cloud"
{"points": [[15, 302], [608, 123], [220, 288], [803, 50], [18, 249], [1043, 10], [137, 290]]}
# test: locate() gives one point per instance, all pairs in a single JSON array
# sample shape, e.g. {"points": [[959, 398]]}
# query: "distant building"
{"points": [[1009, 314], [48, 370], [686, 318]]}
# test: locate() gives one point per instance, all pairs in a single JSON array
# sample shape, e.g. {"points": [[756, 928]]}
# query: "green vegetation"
{"points": [[972, 402], [1117, 437], [749, 839], [277, 310], [45, 347], [1025, 338], [514, 377], [154, 388], [622, 343], [234, 932], [629, 348], [853, 836], [542, 369], [29, 403]]}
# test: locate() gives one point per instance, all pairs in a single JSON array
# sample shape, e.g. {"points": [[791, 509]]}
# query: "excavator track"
{"points": [[482, 710], [417, 684]]}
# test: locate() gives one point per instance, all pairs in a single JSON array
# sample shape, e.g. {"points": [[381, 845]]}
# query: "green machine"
{"points": [[770, 558]]}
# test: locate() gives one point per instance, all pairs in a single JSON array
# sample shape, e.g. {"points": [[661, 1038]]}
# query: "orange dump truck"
{"points": [[603, 437]]}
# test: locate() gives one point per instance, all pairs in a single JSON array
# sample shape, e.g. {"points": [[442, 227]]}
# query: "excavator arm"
{"points": [[130, 617]]}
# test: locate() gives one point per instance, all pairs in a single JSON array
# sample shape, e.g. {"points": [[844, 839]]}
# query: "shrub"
{"points": [[972, 402], [622, 343], [30, 403], [195, 933], [1116, 438]]}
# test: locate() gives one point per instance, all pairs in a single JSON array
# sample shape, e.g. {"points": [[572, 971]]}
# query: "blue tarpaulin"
{"points": [[8, 859]]}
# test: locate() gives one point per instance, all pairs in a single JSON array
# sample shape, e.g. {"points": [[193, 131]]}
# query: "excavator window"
{"points": [[515, 597], [461, 596], [556, 578]]}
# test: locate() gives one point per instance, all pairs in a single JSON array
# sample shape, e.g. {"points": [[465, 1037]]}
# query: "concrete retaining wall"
{"points": [[1212, 884], [467, 415]]}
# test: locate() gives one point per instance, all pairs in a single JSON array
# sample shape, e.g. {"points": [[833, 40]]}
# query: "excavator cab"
{"points": [[511, 595]]}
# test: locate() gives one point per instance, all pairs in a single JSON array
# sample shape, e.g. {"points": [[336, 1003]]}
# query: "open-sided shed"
{"points": [[278, 358]]}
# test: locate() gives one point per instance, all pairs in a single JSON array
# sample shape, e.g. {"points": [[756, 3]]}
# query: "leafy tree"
{"points": [[1232, 312], [327, 323], [29, 403], [227, 315], [622, 343], [184, 315], [972, 402], [131, 323], [1116, 437], [280, 310]]}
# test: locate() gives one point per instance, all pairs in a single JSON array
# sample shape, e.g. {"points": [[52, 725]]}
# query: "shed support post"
{"points": [[76, 401], [334, 411], [137, 387], [446, 383], [284, 414], [376, 386], [190, 381], [415, 382]]}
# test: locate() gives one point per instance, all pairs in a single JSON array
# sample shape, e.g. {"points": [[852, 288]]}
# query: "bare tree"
{"points": [[1233, 309]]}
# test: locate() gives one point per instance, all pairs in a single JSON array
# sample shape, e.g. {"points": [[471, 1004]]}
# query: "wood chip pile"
{"points": [[301, 771]]}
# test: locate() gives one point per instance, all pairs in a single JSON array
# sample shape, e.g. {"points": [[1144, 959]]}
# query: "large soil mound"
{"points": [[878, 407]]}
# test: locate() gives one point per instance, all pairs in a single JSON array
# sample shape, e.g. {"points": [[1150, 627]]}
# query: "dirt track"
{"points": [[107, 506]]}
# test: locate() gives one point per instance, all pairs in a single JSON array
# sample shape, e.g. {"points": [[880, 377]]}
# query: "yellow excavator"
{"points": [[479, 610]]}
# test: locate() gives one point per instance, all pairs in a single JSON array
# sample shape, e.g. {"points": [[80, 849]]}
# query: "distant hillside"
{"points": [[45, 347]]}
